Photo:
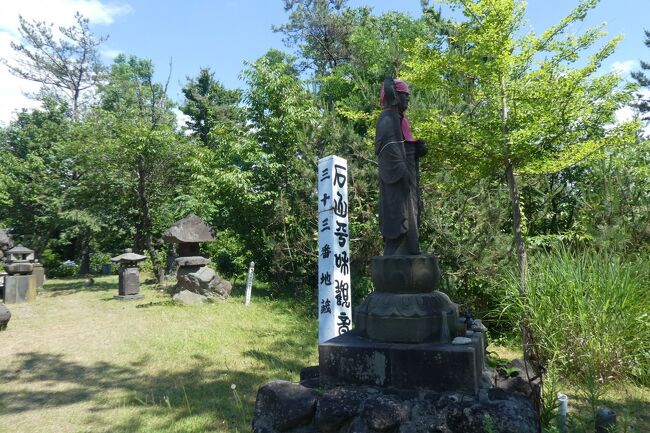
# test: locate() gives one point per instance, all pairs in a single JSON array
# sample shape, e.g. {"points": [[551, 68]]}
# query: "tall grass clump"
{"points": [[589, 312]]}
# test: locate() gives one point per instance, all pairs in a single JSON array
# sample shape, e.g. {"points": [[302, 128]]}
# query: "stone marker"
{"points": [[129, 275], [192, 273], [249, 283], [20, 283], [334, 292], [5, 316], [39, 274]]}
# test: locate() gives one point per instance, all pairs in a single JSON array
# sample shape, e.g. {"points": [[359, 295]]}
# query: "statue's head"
{"points": [[401, 91]]}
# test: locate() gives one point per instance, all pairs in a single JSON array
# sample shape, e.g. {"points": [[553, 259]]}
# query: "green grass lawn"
{"points": [[76, 360]]}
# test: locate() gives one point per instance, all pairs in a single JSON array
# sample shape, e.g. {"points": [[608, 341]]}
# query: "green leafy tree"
{"points": [[517, 103], [643, 101], [138, 142], [37, 173], [68, 67], [320, 31], [213, 111]]}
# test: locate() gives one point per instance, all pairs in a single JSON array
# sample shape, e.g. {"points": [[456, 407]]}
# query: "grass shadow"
{"points": [[67, 286], [197, 396]]}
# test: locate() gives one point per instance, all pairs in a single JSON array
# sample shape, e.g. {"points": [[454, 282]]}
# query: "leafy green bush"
{"points": [[147, 266], [97, 260], [62, 271], [589, 312]]}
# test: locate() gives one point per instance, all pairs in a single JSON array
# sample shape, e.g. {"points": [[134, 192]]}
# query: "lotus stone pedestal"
{"points": [[403, 334]]}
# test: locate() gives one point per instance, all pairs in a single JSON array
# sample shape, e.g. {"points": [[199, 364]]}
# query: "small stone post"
{"points": [[249, 282], [334, 295]]}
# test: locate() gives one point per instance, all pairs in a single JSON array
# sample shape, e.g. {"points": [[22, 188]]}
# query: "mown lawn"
{"points": [[76, 360]]}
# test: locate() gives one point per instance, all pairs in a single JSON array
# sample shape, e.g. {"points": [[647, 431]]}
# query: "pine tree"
{"points": [[643, 100]]}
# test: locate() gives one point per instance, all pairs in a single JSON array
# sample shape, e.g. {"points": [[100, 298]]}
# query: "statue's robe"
{"points": [[398, 186]]}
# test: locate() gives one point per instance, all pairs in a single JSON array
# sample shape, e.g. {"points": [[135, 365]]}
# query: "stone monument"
{"points": [[193, 273], [406, 331], [20, 283], [410, 363], [129, 275]]}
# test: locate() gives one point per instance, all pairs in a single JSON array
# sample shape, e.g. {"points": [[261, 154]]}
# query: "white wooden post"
{"points": [[249, 282], [334, 292]]}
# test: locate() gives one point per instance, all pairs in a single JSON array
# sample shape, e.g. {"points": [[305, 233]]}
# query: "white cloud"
{"points": [[624, 67], [110, 53], [181, 120], [58, 12]]}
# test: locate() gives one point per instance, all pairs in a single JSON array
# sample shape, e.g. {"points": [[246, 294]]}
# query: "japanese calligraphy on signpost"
{"points": [[335, 302]]}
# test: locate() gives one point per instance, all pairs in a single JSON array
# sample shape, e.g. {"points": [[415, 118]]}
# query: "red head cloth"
{"points": [[400, 86]]}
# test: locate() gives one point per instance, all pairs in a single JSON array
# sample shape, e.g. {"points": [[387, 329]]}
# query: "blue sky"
{"points": [[224, 34]]}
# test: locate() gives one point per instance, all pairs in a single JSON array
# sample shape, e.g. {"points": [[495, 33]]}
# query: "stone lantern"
{"points": [[129, 275], [19, 284], [193, 273]]}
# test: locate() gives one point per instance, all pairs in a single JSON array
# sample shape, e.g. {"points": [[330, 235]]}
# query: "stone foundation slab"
{"points": [[352, 359]]}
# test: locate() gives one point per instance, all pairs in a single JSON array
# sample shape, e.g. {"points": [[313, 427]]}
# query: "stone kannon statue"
{"points": [[398, 154]]}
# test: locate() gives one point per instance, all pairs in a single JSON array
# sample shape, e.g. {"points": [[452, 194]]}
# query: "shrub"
{"points": [[590, 311], [63, 271], [97, 260]]}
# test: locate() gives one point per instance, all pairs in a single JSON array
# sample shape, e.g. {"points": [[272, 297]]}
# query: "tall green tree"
{"points": [[642, 102], [213, 111], [37, 172], [138, 141], [320, 32], [67, 67], [519, 102]]}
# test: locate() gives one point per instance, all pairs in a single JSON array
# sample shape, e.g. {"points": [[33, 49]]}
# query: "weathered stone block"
{"points": [[405, 274], [189, 298], [202, 280], [129, 281], [367, 409], [285, 405], [352, 359], [336, 407], [39, 274], [190, 229], [191, 261], [19, 288]]}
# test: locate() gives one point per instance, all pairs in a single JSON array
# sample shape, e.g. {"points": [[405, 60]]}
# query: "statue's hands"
{"points": [[420, 148]]}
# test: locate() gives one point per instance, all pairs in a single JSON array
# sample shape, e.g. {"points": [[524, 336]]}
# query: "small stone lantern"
{"points": [[19, 261], [129, 275], [19, 283]]}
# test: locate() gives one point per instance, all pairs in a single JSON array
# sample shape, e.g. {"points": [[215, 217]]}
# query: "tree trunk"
{"points": [[522, 261], [158, 269], [84, 266], [516, 228]]}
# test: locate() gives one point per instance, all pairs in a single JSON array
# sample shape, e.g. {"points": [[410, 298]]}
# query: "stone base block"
{"points": [[135, 297], [19, 288], [351, 359]]}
